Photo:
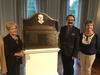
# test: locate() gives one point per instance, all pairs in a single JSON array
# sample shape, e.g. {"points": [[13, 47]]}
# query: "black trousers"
{"points": [[14, 70], [67, 64]]}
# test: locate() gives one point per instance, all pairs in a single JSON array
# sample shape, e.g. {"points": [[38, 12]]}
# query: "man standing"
{"points": [[69, 44]]}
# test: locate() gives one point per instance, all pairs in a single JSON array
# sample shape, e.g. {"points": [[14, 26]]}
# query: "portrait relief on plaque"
{"points": [[40, 18]]}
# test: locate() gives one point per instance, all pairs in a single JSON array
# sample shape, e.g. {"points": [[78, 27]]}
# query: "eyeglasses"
{"points": [[13, 29], [70, 19]]}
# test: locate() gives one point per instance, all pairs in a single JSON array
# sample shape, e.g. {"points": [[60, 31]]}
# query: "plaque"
{"points": [[39, 31]]}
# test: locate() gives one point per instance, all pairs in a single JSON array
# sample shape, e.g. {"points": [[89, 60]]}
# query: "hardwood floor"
{"points": [[77, 68]]}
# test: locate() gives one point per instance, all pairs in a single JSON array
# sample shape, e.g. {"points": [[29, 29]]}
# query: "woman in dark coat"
{"points": [[13, 50]]}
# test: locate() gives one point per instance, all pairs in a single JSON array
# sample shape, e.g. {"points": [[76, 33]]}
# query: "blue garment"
{"points": [[91, 48]]}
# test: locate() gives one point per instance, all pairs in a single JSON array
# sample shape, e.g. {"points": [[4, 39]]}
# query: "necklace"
{"points": [[15, 38], [16, 41]]}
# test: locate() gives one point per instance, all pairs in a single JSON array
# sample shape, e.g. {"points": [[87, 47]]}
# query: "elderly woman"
{"points": [[2, 56], [89, 46], [13, 50]]}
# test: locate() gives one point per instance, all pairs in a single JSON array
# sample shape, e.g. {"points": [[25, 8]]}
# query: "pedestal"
{"points": [[41, 61]]}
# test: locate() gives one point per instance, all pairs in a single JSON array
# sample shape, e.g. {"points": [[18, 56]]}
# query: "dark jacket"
{"points": [[70, 45], [10, 48]]}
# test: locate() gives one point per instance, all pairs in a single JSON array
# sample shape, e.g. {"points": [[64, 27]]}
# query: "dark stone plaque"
{"points": [[40, 35]]}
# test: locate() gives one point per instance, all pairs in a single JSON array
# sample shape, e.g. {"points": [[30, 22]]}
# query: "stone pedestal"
{"points": [[41, 61]]}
